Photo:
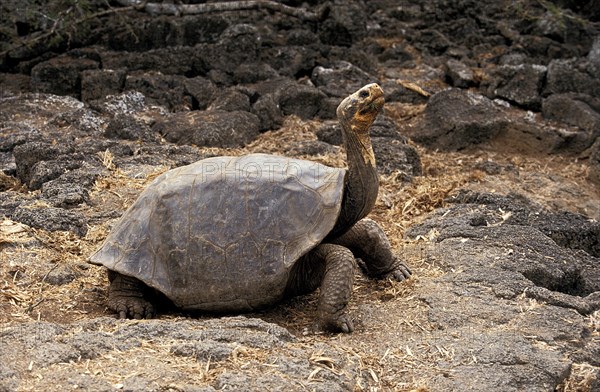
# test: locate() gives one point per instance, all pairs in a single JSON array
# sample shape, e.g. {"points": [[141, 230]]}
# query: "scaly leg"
{"points": [[330, 267], [368, 242]]}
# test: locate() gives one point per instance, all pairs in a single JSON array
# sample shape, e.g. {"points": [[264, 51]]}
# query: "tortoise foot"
{"points": [[126, 297], [131, 307], [337, 323], [400, 273]]}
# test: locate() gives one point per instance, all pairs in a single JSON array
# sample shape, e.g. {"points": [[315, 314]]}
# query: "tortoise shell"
{"points": [[222, 234]]}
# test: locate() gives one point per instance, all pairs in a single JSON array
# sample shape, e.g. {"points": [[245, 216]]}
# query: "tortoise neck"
{"points": [[361, 182]]}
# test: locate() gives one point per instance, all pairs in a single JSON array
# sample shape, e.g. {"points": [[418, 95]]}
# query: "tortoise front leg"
{"points": [[330, 267], [368, 242], [126, 297]]}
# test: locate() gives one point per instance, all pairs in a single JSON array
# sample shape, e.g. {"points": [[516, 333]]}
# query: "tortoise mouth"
{"points": [[363, 105], [373, 106]]}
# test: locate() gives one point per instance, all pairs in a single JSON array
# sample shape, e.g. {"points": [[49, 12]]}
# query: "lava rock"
{"points": [[520, 84], [397, 55], [406, 13], [392, 152], [384, 126], [328, 108], [231, 100], [209, 128], [8, 168], [60, 275], [203, 28], [567, 229], [455, 119], [330, 133], [359, 55], [490, 167], [129, 127], [204, 351], [574, 110], [98, 83], [130, 102], [82, 122], [13, 134], [538, 48], [44, 171], [159, 154], [341, 80], [164, 90], [490, 273], [395, 92], [594, 173], [433, 41], [179, 60], [291, 61], [459, 74], [303, 101], [561, 27], [31, 158], [310, 147], [267, 111], [393, 155], [251, 73], [238, 44], [51, 219], [565, 76], [345, 24], [155, 33], [60, 75], [71, 188], [566, 272], [64, 197], [202, 91], [593, 58], [570, 230], [15, 83], [10, 200], [215, 340], [301, 37]]}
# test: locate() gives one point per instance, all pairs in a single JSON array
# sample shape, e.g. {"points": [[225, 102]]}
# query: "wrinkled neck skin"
{"points": [[361, 182]]}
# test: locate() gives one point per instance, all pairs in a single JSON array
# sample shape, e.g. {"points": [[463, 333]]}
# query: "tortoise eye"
{"points": [[363, 94]]}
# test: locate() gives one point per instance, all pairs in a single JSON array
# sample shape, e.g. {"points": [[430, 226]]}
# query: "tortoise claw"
{"points": [[346, 325], [337, 323], [120, 308], [401, 273], [131, 307]]}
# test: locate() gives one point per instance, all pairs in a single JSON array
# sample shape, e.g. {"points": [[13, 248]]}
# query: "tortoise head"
{"points": [[358, 111]]}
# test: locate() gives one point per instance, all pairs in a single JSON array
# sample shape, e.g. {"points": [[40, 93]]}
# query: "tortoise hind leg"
{"points": [[330, 267], [126, 297], [368, 242]]}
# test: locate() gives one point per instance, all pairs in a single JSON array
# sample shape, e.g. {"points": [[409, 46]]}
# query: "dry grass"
{"points": [[582, 378]]}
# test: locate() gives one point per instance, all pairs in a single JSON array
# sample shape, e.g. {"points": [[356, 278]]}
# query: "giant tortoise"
{"points": [[232, 234]]}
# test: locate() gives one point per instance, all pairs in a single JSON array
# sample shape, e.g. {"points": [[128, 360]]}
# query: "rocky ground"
{"points": [[489, 160]]}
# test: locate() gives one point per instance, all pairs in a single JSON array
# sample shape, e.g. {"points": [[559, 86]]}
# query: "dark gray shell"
{"points": [[223, 233]]}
